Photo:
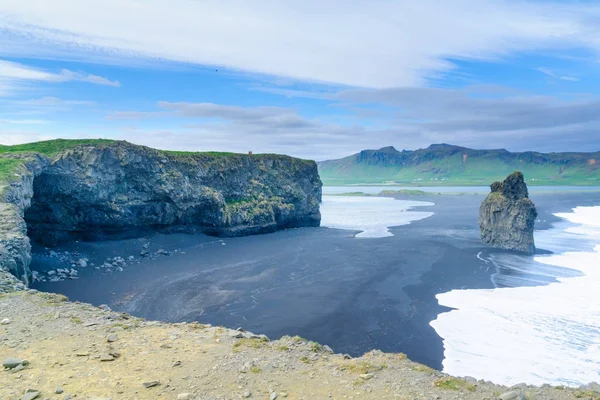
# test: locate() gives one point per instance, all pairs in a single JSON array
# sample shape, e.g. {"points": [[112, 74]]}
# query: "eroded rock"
{"points": [[507, 215]]}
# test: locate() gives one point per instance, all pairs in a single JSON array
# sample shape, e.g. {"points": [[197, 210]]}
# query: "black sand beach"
{"points": [[323, 284]]}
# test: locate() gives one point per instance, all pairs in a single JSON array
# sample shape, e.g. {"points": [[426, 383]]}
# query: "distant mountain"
{"points": [[444, 164]]}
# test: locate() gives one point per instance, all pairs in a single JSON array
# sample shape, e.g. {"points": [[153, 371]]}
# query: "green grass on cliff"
{"points": [[11, 157], [52, 147]]}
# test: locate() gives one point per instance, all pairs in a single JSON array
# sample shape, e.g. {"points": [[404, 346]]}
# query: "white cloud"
{"points": [[15, 77], [23, 121], [569, 78], [379, 43], [53, 102], [552, 74]]}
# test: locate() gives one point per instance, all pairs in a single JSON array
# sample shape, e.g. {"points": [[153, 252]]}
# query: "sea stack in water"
{"points": [[507, 216]]}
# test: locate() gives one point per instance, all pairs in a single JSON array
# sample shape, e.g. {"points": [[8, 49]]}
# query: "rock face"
{"points": [[94, 192], [507, 215]]}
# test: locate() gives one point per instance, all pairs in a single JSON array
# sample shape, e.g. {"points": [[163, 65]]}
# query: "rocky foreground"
{"points": [[55, 349]]}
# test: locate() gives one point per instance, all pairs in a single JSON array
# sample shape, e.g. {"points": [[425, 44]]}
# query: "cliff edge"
{"points": [[55, 349], [507, 215], [65, 190]]}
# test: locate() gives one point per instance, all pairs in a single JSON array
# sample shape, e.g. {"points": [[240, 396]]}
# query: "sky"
{"points": [[317, 79]]}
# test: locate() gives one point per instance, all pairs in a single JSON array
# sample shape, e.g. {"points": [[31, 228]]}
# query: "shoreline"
{"points": [[401, 231]]}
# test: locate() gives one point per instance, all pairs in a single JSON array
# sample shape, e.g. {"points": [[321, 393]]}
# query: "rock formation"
{"points": [[507, 215], [110, 189]]}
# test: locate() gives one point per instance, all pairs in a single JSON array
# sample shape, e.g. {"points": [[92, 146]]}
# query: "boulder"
{"points": [[507, 215]]}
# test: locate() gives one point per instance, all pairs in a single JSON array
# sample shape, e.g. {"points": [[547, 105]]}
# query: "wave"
{"points": [[370, 215], [546, 332]]}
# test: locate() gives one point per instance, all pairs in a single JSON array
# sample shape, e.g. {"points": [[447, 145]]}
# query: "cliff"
{"points": [[444, 164], [92, 190], [507, 215]]}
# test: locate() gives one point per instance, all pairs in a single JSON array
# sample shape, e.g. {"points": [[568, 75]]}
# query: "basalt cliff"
{"points": [[92, 190], [507, 215]]}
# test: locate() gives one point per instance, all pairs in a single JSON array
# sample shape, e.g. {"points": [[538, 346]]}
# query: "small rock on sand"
{"points": [[106, 357], [5, 321], [111, 338], [31, 394], [512, 395], [184, 396], [150, 384], [11, 363]]}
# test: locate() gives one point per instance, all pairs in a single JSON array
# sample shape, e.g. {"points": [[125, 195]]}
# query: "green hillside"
{"points": [[447, 165]]}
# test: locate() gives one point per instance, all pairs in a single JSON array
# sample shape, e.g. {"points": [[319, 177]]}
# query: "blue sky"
{"points": [[309, 78]]}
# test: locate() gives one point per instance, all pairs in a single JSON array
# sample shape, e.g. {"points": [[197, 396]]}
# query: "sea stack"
{"points": [[507, 215]]}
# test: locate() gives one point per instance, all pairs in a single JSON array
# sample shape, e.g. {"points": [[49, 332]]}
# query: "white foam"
{"points": [[543, 334], [370, 215]]}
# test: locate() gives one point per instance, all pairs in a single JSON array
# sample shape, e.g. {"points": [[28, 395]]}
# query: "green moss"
{"points": [[316, 347], [249, 343], [298, 339], [453, 384], [254, 369], [363, 367], [8, 168], [54, 298], [422, 368]]}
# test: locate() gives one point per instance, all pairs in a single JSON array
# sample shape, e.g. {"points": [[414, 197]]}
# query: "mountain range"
{"points": [[448, 165]]}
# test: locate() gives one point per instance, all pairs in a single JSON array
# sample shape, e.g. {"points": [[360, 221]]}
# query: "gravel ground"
{"points": [[78, 351]]}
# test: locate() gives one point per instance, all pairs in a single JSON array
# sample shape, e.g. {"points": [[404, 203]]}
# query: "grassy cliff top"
{"points": [[12, 157], [56, 146]]}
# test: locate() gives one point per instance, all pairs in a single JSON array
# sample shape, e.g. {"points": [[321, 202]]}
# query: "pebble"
{"points": [[106, 357], [246, 394], [31, 394], [59, 390], [150, 384], [11, 363], [273, 396], [366, 377], [5, 321], [184, 396], [509, 395], [111, 338]]}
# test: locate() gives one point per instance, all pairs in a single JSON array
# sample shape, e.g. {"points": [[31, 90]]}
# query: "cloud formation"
{"points": [[415, 117], [376, 44], [13, 76], [552, 74]]}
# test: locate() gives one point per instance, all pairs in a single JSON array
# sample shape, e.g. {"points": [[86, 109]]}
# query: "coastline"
{"points": [[467, 240]]}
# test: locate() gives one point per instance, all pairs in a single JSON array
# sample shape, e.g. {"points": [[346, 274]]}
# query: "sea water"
{"points": [[547, 331], [372, 216]]}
